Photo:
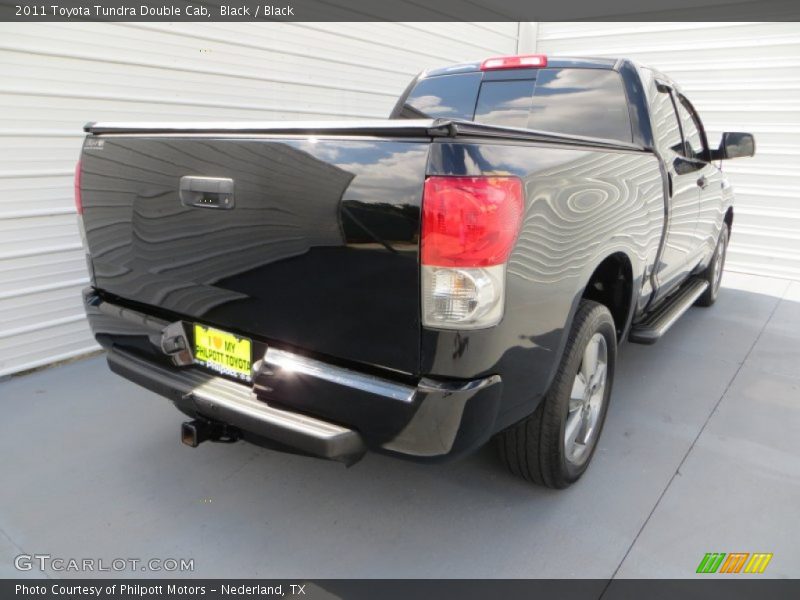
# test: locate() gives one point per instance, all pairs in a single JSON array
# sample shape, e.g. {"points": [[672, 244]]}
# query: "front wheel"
{"points": [[554, 445], [713, 272]]}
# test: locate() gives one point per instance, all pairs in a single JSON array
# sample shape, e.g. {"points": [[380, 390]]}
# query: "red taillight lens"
{"points": [[78, 202], [526, 61], [470, 221]]}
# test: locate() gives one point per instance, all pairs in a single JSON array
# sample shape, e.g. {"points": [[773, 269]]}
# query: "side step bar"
{"points": [[656, 324]]}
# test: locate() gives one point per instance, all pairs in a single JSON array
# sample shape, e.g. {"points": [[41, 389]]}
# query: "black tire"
{"points": [[713, 272], [535, 447]]}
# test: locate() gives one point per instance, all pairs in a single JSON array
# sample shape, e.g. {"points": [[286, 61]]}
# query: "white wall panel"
{"points": [[56, 77], [741, 77]]}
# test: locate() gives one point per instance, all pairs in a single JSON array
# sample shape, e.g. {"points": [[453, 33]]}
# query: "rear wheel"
{"points": [[713, 272], [554, 445]]}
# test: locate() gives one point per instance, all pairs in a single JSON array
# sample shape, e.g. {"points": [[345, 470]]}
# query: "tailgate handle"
{"points": [[206, 192]]}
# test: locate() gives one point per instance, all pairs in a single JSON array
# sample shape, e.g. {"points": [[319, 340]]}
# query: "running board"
{"points": [[660, 320]]}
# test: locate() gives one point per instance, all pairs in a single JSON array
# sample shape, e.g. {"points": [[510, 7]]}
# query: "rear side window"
{"points": [[587, 102]]}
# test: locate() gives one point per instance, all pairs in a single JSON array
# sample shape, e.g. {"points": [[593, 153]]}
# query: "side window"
{"points": [[692, 130], [665, 121]]}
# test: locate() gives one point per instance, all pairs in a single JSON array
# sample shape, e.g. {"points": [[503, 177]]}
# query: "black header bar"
{"points": [[398, 10]]}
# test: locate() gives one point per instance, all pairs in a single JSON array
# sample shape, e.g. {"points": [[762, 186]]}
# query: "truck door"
{"points": [[683, 194], [708, 179]]}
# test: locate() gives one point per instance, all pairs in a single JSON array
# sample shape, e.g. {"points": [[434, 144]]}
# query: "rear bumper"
{"points": [[199, 394], [299, 402]]}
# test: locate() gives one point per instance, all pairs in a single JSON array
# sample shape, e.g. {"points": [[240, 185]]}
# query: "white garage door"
{"points": [[741, 77], [56, 77]]}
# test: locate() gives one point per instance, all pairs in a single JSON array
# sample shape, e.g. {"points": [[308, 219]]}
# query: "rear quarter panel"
{"points": [[582, 205]]}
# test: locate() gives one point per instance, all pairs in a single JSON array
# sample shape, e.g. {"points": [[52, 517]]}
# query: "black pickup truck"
{"points": [[414, 286]]}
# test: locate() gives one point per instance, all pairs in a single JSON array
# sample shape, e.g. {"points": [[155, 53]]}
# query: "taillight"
{"points": [[79, 209], [525, 61], [469, 227], [78, 202], [470, 221]]}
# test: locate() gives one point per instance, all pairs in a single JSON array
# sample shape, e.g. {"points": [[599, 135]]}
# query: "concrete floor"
{"points": [[699, 454]]}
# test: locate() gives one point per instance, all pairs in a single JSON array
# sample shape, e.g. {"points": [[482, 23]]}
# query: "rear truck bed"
{"points": [[268, 277]]}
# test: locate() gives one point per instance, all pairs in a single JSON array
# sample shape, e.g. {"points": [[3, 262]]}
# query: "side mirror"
{"points": [[734, 145], [683, 166]]}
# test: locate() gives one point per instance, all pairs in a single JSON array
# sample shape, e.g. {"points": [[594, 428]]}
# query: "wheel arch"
{"points": [[611, 283]]}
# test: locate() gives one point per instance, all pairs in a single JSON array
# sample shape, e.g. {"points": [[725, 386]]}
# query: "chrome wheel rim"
{"points": [[719, 261], [586, 401]]}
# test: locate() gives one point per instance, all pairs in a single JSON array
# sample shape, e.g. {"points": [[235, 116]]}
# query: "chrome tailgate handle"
{"points": [[206, 192]]}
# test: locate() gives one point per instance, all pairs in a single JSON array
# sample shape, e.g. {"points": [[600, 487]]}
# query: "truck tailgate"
{"points": [[315, 248]]}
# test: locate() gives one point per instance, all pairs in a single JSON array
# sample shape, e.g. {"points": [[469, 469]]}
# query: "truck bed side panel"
{"points": [[582, 205]]}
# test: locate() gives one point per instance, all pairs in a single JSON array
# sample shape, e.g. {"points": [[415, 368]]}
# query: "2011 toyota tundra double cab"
{"points": [[414, 286]]}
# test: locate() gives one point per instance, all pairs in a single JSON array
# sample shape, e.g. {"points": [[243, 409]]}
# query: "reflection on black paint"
{"points": [[581, 206], [381, 222]]}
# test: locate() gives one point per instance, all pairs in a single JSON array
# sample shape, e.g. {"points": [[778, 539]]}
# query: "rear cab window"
{"points": [[445, 96], [575, 101], [505, 103]]}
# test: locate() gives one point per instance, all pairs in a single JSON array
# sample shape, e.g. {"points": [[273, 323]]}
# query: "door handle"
{"points": [[702, 182], [206, 192]]}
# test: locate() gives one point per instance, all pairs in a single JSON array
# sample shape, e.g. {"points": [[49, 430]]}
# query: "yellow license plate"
{"points": [[223, 352]]}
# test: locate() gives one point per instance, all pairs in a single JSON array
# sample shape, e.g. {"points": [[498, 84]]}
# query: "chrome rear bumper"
{"points": [[426, 418], [226, 401]]}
